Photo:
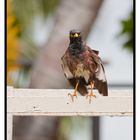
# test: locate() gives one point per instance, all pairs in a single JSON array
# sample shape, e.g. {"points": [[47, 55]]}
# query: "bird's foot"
{"points": [[72, 96], [90, 96]]}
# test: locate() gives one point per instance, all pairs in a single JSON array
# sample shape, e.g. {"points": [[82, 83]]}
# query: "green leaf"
{"points": [[127, 29]]}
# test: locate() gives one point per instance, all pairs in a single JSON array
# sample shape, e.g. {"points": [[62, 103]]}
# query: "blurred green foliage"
{"points": [[20, 19], [127, 30], [27, 10]]}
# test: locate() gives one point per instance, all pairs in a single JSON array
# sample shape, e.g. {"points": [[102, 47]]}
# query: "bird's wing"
{"points": [[96, 52], [99, 77], [100, 80], [65, 67]]}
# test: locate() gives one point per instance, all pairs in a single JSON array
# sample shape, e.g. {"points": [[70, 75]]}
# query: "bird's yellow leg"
{"points": [[91, 94], [75, 92]]}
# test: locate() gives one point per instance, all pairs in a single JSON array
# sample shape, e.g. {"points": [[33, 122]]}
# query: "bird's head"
{"points": [[75, 36]]}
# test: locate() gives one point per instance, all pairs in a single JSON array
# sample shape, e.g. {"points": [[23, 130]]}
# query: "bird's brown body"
{"points": [[81, 63]]}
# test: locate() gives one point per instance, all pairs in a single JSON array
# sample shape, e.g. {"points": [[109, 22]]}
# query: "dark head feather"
{"points": [[75, 37]]}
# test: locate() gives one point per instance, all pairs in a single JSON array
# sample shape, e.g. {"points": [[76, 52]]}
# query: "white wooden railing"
{"points": [[56, 102]]}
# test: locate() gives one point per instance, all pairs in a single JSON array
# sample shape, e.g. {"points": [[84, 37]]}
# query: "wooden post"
{"points": [[9, 126]]}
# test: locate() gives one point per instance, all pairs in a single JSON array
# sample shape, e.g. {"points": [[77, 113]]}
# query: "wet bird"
{"points": [[82, 66]]}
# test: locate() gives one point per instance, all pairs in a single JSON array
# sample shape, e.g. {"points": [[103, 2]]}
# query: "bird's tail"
{"points": [[81, 87]]}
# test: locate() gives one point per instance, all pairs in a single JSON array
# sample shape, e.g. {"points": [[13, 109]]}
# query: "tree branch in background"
{"points": [[80, 14]]}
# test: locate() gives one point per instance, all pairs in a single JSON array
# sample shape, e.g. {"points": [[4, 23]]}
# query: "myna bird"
{"points": [[82, 66]]}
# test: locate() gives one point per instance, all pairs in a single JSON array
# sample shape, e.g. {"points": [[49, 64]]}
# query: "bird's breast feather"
{"points": [[80, 71]]}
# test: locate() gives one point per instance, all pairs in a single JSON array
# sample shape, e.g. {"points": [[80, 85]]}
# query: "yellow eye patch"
{"points": [[74, 35]]}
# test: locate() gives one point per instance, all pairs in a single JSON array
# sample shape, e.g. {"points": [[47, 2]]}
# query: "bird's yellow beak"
{"points": [[76, 35]]}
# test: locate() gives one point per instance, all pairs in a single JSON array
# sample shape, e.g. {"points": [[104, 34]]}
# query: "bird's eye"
{"points": [[71, 35], [75, 35]]}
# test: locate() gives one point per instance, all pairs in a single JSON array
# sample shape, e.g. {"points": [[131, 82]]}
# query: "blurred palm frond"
{"points": [[127, 30]]}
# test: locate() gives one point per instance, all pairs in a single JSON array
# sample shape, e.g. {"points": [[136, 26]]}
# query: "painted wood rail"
{"points": [[56, 102]]}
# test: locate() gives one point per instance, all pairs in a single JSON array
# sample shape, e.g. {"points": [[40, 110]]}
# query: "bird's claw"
{"points": [[90, 96], [72, 96]]}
